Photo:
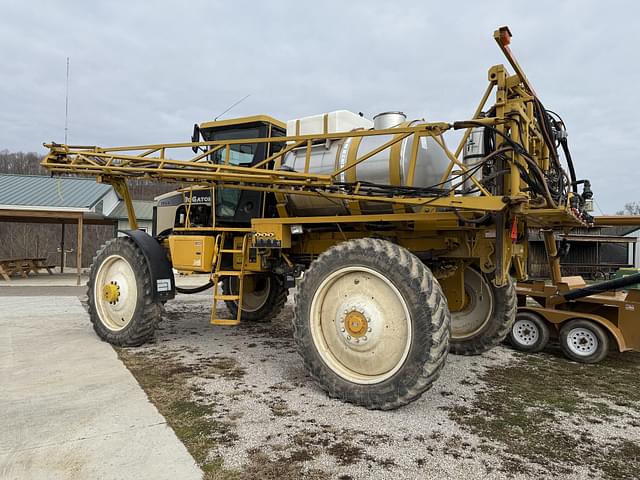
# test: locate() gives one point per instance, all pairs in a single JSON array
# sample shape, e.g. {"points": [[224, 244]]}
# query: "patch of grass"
{"points": [[625, 463], [166, 383], [280, 408], [263, 467], [344, 445], [345, 453], [223, 367], [521, 405]]}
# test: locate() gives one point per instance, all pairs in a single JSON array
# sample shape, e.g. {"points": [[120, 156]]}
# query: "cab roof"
{"points": [[244, 120]]}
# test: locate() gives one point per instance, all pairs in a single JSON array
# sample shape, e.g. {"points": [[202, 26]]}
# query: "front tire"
{"points": [[487, 318], [584, 341], [120, 296], [371, 324]]}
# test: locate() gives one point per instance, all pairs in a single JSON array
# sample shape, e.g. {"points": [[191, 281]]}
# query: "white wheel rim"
{"points": [[115, 313], [525, 332], [380, 346], [478, 310], [252, 301], [582, 341]]}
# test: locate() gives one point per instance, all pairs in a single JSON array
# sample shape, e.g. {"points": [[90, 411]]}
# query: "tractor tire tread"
{"points": [[141, 328], [506, 307], [428, 306]]}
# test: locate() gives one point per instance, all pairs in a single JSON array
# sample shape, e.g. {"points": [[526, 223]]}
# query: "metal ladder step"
{"points": [[230, 250], [227, 322], [227, 297], [228, 273]]}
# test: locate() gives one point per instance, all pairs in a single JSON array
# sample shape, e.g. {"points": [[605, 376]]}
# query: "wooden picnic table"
{"points": [[23, 266]]}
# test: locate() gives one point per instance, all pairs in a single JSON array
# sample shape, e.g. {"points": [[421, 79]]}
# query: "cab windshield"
{"points": [[239, 155]]}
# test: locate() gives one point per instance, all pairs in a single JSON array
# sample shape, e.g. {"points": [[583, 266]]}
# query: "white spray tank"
{"points": [[389, 167]]}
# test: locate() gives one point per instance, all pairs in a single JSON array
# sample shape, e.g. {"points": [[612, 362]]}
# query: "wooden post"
{"points": [[79, 249], [62, 255]]}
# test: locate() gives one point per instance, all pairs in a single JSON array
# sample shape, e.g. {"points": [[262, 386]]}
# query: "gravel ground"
{"points": [[500, 415]]}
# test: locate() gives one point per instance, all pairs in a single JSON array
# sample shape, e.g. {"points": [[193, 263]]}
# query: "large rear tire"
{"points": [[120, 296], [488, 317], [263, 302], [371, 324]]}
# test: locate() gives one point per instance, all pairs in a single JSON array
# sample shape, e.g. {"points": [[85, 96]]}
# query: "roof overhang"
{"points": [[43, 208], [53, 216]]}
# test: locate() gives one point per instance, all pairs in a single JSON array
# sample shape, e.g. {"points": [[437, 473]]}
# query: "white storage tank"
{"points": [[332, 122], [388, 167]]}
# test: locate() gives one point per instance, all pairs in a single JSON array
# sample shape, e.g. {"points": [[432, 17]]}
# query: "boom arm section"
{"points": [[152, 162]]}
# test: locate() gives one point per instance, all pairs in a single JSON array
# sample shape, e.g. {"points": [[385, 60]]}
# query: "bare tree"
{"points": [[631, 208]]}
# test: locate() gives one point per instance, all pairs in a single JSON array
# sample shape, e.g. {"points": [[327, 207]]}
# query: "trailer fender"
{"points": [[162, 279], [558, 317]]}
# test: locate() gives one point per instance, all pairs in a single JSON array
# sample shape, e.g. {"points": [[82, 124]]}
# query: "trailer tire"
{"points": [[584, 341], [120, 297], [529, 333], [265, 306], [500, 315], [371, 324]]}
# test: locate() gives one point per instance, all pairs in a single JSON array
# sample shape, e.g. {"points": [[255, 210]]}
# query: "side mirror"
{"points": [[195, 137]]}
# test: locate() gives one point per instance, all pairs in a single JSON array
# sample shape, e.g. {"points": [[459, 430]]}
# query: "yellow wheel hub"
{"points": [[355, 323], [111, 292]]}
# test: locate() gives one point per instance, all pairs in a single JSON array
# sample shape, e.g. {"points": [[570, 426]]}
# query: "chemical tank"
{"points": [[389, 167]]}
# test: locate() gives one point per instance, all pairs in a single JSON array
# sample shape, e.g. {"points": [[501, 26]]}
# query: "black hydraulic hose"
{"points": [[519, 149], [474, 221], [572, 170], [543, 121], [601, 287], [199, 289], [565, 148]]}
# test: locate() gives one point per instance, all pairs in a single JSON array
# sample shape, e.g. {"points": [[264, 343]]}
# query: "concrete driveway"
{"points": [[69, 408]]}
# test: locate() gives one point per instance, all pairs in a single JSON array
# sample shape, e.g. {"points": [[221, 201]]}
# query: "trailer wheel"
{"points": [[487, 319], [584, 341], [121, 306], [529, 333], [371, 324], [265, 301]]}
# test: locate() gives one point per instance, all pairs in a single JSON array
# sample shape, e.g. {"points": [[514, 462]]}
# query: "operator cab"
{"points": [[237, 207]]}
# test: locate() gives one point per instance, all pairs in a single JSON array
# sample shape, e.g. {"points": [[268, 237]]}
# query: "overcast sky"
{"points": [[144, 72]]}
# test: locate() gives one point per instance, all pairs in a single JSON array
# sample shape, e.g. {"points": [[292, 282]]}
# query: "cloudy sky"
{"points": [[144, 72]]}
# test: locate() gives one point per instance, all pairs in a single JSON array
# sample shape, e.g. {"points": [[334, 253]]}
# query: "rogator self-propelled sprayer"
{"points": [[402, 249]]}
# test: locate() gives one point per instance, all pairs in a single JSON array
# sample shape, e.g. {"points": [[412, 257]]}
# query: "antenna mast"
{"points": [[233, 105], [66, 107]]}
